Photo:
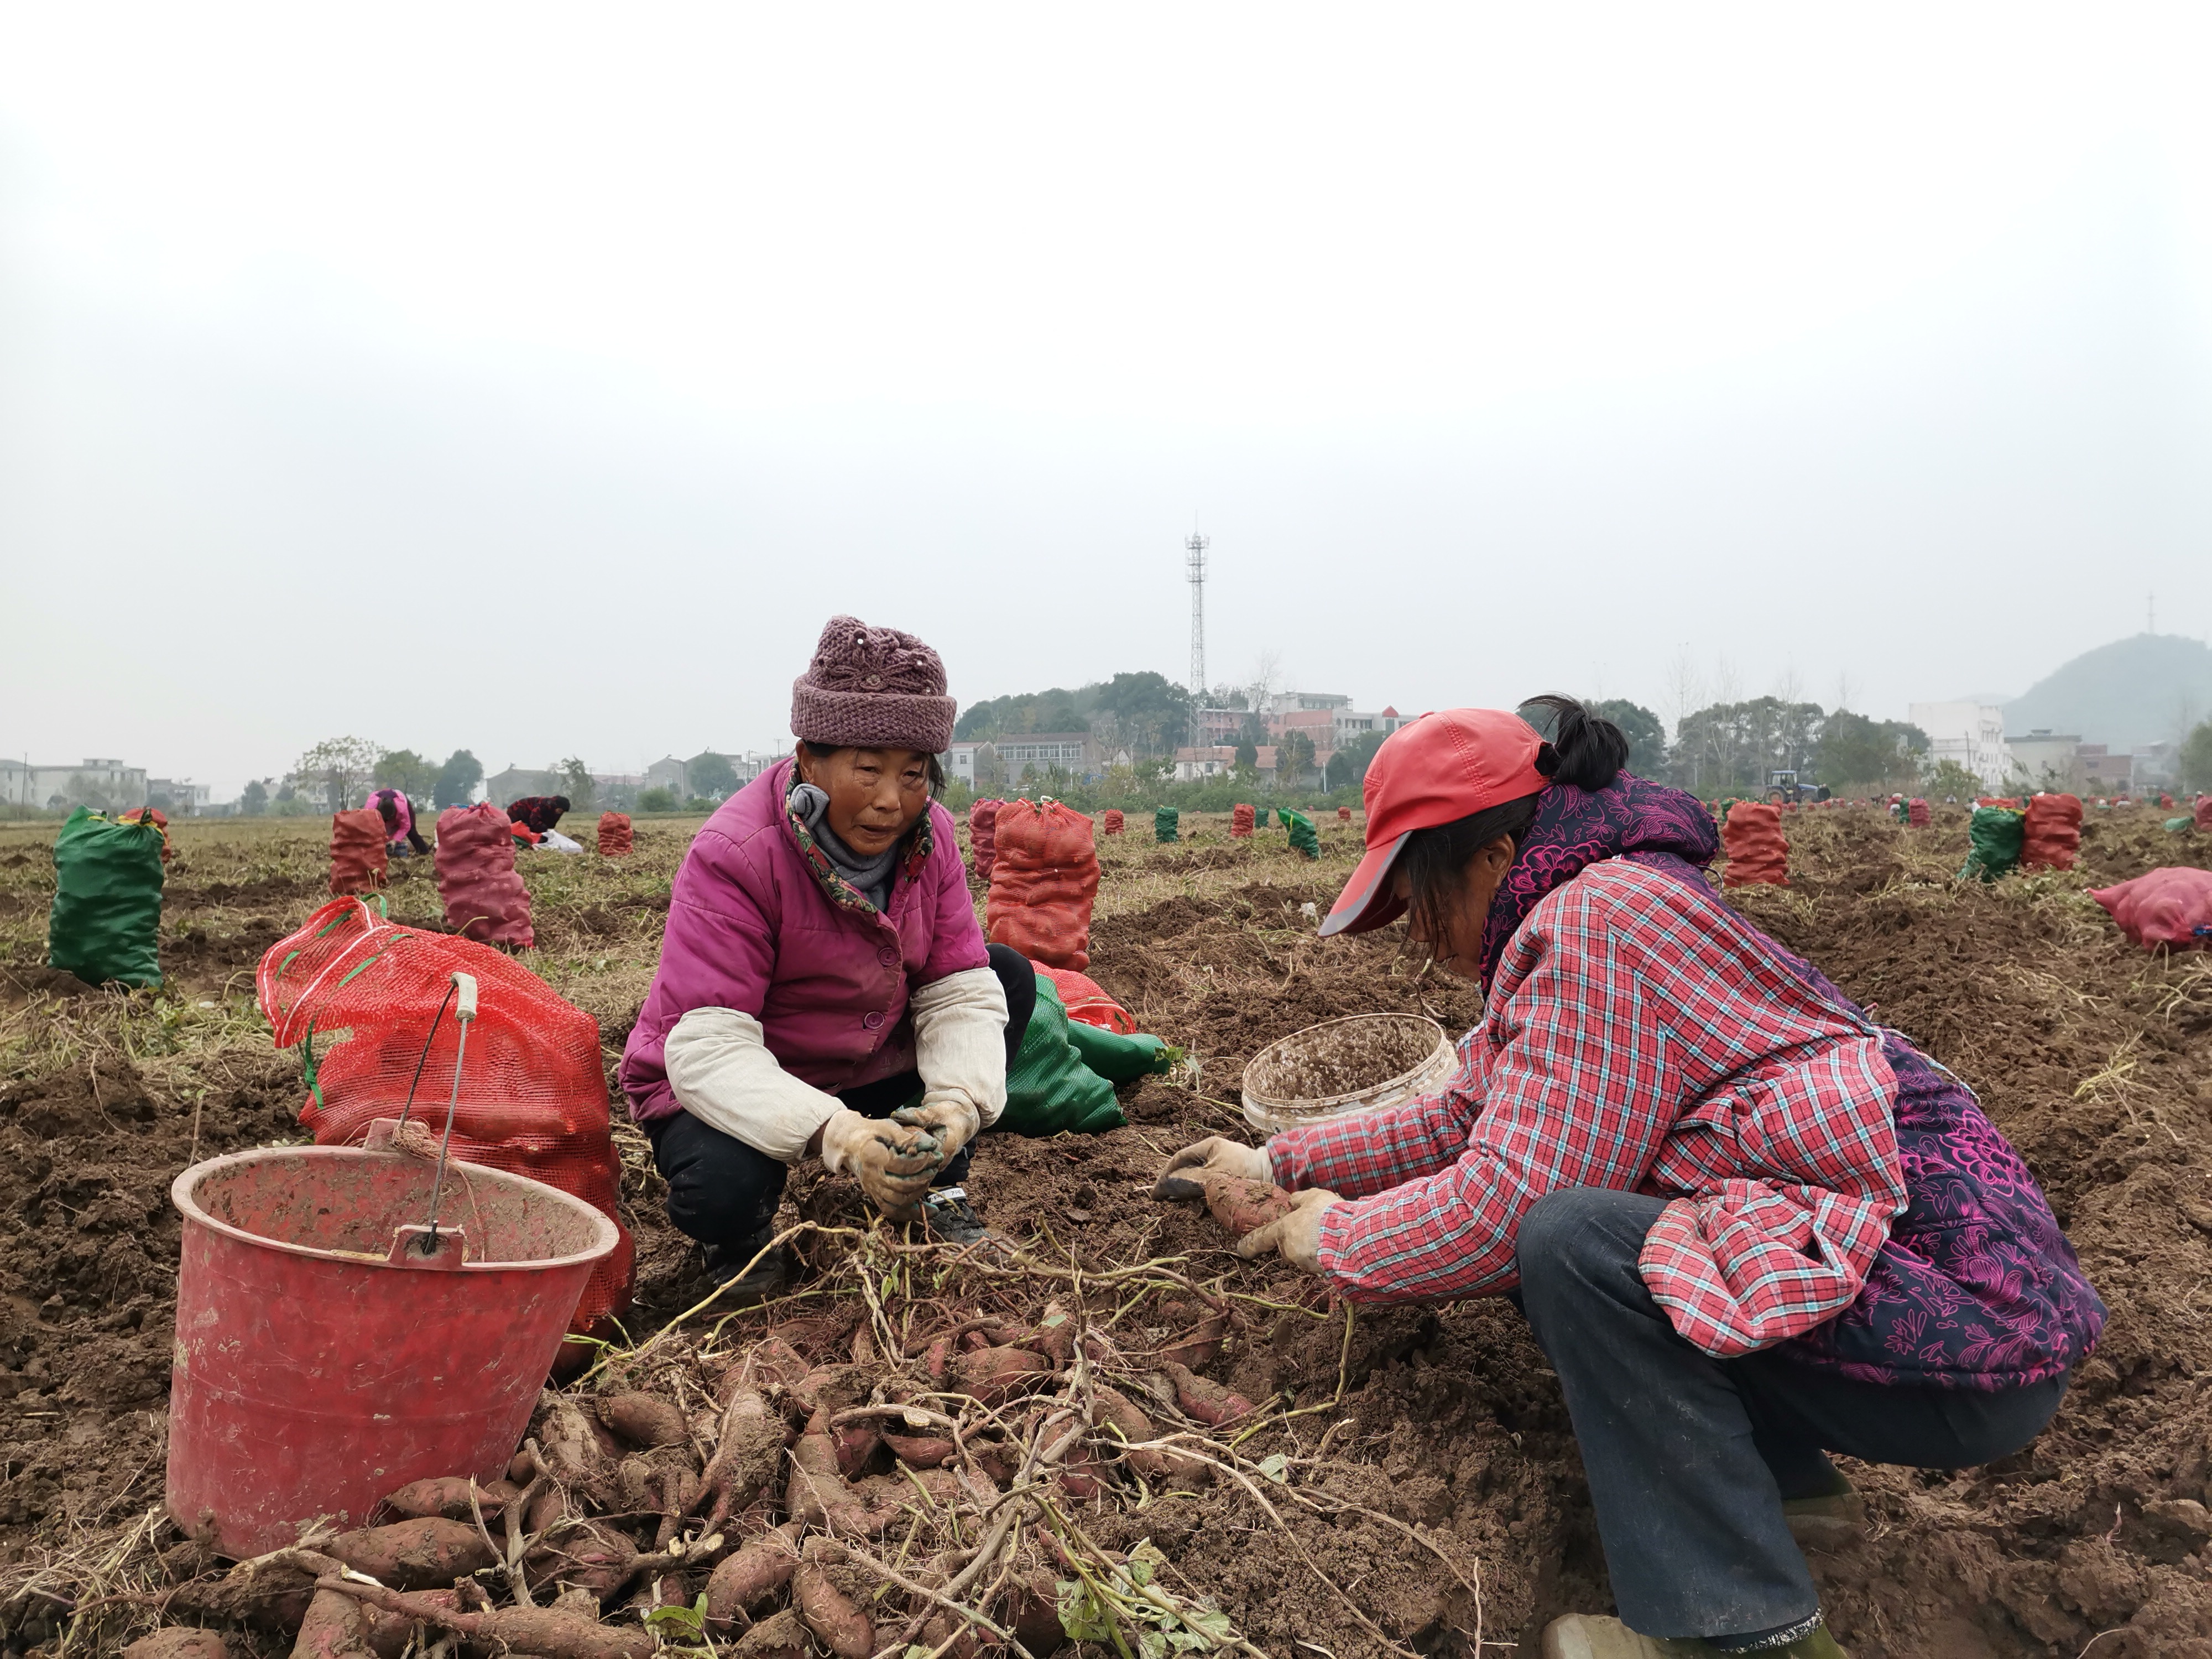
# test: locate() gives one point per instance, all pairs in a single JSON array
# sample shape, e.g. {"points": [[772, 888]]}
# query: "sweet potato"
{"points": [[1055, 1336], [569, 1444], [781, 1637], [838, 1622], [645, 1419], [1204, 1400], [772, 1360], [522, 1630], [1032, 1612], [816, 1493], [1118, 1410], [942, 1625], [448, 1495], [856, 1444], [745, 1460], [938, 1360], [1198, 1346], [413, 1554], [585, 1555], [178, 1642], [745, 1580], [992, 1374], [336, 1627], [1241, 1204], [921, 1451]]}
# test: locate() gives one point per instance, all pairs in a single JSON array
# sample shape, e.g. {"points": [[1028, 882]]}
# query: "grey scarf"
{"points": [[871, 877]]}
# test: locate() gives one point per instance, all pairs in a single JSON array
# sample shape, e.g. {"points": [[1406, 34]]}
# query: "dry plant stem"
{"points": [[714, 1295], [853, 1552]]}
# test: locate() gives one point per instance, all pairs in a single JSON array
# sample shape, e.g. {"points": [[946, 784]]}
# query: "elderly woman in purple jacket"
{"points": [[823, 988]]}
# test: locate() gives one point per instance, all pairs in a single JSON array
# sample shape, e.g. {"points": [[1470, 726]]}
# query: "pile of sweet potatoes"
{"points": [[761, 1496]]}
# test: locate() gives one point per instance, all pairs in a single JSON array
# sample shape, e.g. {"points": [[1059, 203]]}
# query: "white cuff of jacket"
{"points": [[722, 1072], [960, 1040]]}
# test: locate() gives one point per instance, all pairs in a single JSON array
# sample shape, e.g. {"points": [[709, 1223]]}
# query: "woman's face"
{"points": [[1460, 951], [876, 795]]}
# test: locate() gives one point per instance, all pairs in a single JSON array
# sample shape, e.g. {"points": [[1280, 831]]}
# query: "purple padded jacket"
{"points": [[759, 922]]}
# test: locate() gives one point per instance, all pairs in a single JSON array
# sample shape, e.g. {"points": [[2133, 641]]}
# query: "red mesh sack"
{"points": [[982, 841], [1240, 820], [533, 1091], [1083, 999], [359, 859], [2051, 833], [1757, 854], [1043, 883], [1918, 813], [485, 900], [614, 834], [1344, 815], [2171, 907], [1113, 821], [2203, 818]]}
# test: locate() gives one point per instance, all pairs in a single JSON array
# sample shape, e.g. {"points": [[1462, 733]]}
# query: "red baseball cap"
{"points": [[1442, 766]]}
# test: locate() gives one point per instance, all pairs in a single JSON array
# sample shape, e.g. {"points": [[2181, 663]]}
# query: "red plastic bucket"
{"points": [[321, 1363]]}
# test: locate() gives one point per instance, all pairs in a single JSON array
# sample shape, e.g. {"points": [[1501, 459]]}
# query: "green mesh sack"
{"points": [[2175, 826], [1120, 1059], [106, 920], [1993, 842], [1259, 818], [1163, 823], [1049, 1089], [1302, 833]]}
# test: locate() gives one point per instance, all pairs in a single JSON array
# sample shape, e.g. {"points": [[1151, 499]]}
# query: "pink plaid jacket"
{"points": [[1641, 1037]]}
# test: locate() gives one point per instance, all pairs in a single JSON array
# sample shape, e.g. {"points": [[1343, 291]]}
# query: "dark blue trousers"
{"points": [[721, 1191], [1689, 1457]]}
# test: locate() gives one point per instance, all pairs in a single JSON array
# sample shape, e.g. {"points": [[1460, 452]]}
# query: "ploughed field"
{"points": [[1405, 1478]]}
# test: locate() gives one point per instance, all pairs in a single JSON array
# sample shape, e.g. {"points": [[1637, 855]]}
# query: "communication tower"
{"points": [[1196, 566]]}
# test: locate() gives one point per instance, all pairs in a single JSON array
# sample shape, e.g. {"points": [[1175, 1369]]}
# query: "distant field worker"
{"points": [[398, 812], [537, 814], [824, 988], [1748, 1226]]}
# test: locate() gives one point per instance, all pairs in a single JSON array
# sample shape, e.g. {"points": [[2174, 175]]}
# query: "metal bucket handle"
{"points": [[420, 1240]]}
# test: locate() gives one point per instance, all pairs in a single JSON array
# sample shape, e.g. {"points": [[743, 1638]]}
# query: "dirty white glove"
{"points": [[1212, 1155], [946, 1113], [893, 1164], [1297, 1235]]}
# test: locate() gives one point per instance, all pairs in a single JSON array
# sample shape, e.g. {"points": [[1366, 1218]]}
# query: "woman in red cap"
{"points": [[1748, 1226]]}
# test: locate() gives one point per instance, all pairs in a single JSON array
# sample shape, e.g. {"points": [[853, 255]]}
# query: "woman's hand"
{"points": [[948, 1114], [894, 1163], [1297, 1235], [1212, 1155]]}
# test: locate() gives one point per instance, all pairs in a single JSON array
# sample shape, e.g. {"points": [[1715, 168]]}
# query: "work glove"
{"points": [[948, 1114], [1181, 1178], [1297, 1235], [894, 1163]]}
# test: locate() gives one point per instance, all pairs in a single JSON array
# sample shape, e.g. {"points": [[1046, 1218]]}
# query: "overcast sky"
{"points": [[538, 380]]}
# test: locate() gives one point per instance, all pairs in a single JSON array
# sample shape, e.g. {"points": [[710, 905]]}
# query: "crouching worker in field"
{"points": [[824, 988], [400, 835], [1748, 1225]]}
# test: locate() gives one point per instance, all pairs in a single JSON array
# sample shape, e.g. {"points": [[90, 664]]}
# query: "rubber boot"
{"points": [[1588, 1636]]}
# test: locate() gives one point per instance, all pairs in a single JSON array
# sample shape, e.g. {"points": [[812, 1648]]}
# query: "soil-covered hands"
{"points": [[894, 1162], [1297, 1235], [1184, 1175], [947, 1113]]}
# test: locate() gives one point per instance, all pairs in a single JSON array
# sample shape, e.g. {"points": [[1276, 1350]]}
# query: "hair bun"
{"points": [[1547, 760]]}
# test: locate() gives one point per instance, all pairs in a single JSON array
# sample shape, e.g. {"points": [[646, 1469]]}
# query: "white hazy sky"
{"points": [[537, 379]]}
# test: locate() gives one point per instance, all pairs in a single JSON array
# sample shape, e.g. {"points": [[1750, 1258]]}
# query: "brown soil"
{"points": [[2090, 1055]]}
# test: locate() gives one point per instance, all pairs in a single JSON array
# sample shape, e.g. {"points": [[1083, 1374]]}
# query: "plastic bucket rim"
{"points": [[1323, 1105], [604, 1238]]}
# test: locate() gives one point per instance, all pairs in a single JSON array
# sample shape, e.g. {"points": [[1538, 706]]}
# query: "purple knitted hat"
{"points": [[872, 687]]}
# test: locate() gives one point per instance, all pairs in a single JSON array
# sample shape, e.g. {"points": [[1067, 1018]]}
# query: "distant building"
{"points": [[1218, 760], [105, 785], [964, 762], [1971, 733], [2047, 759], [667, 773], [185, 797], [2103, 773], [1069, 751], [1328, 718], [1212, 726]]}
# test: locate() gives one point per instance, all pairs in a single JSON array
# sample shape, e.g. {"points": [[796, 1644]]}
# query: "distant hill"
{"points": [[2127, 694]]}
